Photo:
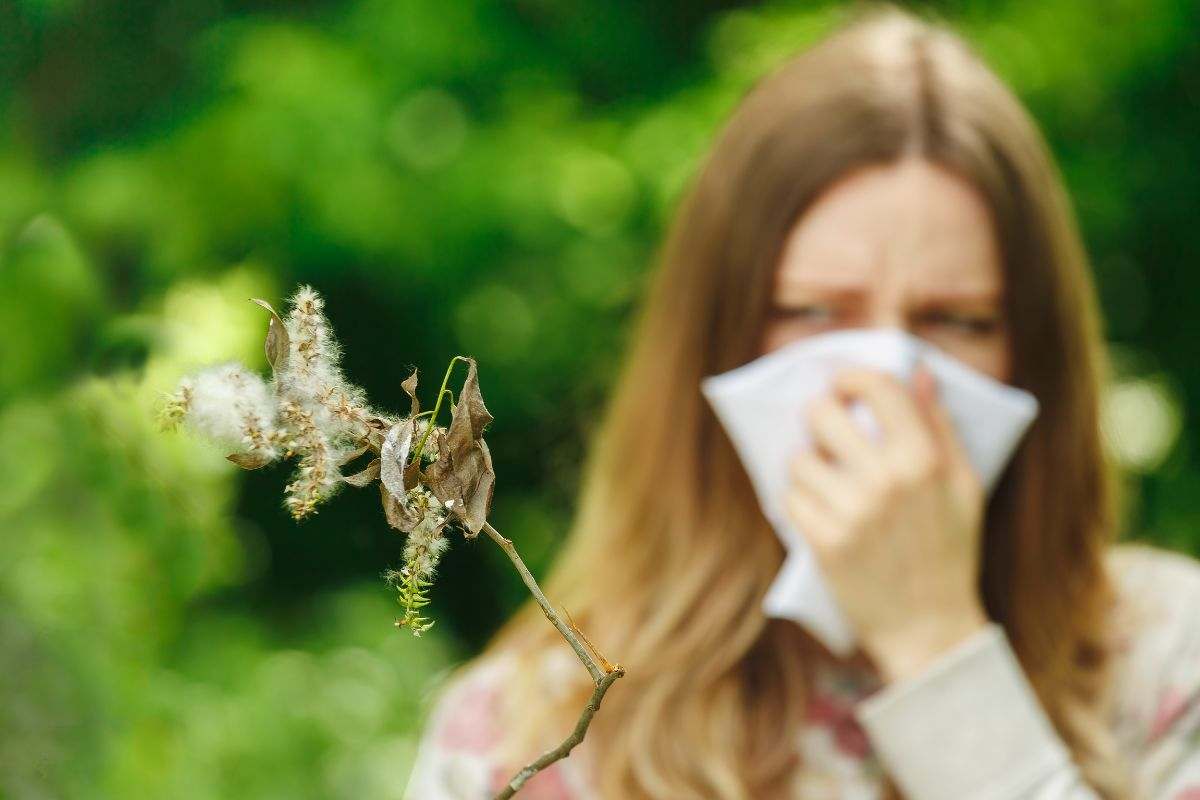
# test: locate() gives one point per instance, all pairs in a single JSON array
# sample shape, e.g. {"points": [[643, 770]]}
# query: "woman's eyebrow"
{"points": [[989, 296], [807, 290]]}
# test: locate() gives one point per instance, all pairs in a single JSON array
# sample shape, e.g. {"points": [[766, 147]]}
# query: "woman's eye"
{"points": [[808, 313], [965, 322]]}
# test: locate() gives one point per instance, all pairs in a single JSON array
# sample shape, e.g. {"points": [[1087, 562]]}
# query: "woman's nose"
{"points": [[887, 318]]}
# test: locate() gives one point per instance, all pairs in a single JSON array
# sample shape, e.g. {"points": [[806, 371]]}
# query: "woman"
{"points": [[1010, 648]]}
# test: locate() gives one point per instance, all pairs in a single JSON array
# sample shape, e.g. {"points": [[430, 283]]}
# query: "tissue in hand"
{"points": [[762, 407]]}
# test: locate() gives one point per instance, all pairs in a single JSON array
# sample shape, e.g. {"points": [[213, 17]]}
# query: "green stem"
{"points": [[436, 407]]}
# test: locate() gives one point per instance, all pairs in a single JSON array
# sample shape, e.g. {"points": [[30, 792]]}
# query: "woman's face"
{"points": [[907, 245]]}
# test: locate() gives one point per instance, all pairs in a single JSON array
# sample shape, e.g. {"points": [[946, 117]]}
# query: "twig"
{"points": [[605, 664], [564, 749], [461, 477], [602, 676]]}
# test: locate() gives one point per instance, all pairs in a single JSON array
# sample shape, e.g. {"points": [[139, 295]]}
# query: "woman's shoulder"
{"points": [[1157, 640], [1138, 560], [459, 754], [1158, 592]]}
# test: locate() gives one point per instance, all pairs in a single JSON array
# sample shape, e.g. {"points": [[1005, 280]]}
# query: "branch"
{"points": [[603, 673], [564, 749], [281, 419]]}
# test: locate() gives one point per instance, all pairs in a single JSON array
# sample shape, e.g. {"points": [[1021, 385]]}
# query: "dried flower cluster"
{"points": [[432, 480], [231, 405], [309, 411]]}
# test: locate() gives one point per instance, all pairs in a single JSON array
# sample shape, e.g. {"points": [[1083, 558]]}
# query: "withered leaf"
{"points": [[379, 423], [249, 460], [353, 454], [375, 438], [391, 507], [463, 472], [277, 343], [477, 415], [412, 474], [398, 515], [370, 473], [409, 385], [393, 455], [479, 499]]}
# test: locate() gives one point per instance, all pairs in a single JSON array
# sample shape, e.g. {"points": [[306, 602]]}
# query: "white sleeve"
{"points": [[970, 727], [1164, 693]]}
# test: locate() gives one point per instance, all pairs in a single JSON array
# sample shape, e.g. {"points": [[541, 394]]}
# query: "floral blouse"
{"points": [[968, 726]]}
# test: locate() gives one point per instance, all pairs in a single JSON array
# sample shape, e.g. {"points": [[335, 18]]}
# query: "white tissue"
{"points": [[762, 406]]}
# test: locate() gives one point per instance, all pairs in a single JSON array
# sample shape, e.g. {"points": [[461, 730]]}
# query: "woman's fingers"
{"points": [[837, 433], [904, 429], [810, 517], [823, 482], [938, 419]]}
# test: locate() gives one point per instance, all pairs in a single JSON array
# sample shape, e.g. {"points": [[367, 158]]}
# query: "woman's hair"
{"points": [[670, 556]]}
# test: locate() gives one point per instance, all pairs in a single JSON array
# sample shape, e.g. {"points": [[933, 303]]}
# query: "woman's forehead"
{"points": [[910, 221]]}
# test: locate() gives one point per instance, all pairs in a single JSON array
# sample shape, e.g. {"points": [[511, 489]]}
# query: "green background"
{"points": [[475, 176]]}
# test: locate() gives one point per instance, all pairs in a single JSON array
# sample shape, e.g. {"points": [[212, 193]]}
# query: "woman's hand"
{"points": [[896, 524]]}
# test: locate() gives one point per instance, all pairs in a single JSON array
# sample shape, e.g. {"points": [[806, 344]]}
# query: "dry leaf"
{"points": [[410, 388], [377, 428], [463, 470], [412, 473], [398, 515], [370, 473], [277, 343], [249, 460], [391, 507], [394, 454], [379, 424], [353, 454], [479, 499], [478, 415]]}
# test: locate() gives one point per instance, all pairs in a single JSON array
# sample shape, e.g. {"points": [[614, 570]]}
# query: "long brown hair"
{"points": [[669, 555]]}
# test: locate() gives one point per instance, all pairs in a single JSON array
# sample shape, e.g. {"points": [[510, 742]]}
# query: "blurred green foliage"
{"points": [[480, 176]]}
